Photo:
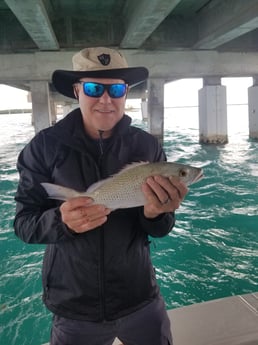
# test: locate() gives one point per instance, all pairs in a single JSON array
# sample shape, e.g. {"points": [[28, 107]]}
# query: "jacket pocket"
{"points": [[48, 263]]}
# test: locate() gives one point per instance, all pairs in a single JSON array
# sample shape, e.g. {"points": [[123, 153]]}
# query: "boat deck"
{"points": [[226, 321]]}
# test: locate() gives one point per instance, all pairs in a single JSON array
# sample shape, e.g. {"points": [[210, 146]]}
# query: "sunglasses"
{"points": [[92, 89]]}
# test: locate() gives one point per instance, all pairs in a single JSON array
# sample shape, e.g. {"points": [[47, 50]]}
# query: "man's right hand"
{"points": [[81, 215]]}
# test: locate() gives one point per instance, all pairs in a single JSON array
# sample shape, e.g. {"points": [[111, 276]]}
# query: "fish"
{"points": [[123, 190]]}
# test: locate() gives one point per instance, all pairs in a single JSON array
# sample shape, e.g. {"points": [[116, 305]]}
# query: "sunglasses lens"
{"points": [[96, 89], [93, 89], [117, 90]]}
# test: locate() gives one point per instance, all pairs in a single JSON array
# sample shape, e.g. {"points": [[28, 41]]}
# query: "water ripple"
{"points": [[212, 251]]}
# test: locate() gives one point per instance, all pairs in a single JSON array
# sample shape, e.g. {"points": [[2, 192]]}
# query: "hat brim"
{"points": [[63, 80]]}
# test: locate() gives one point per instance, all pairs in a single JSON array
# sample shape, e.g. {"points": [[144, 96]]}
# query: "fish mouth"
{"points": [[199, 177]]}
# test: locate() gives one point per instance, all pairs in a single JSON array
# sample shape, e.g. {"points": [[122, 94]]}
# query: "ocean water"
{"points": [[211, 253]]}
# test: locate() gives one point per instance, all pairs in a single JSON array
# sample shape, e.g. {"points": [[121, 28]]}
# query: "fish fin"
{"points": [[131, 166], [57, 192]]}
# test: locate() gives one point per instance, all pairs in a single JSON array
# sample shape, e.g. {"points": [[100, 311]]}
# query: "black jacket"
{"points": [[101, 274]]}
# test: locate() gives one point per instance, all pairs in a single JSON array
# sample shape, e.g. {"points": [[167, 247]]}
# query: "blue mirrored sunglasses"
{"points": [[92, 89]]}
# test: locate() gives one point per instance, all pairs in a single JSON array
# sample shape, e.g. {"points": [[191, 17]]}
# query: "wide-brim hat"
{"points": [[97, 62]]}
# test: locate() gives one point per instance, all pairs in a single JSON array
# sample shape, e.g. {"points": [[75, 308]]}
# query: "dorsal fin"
{"points": [[131, 166]]}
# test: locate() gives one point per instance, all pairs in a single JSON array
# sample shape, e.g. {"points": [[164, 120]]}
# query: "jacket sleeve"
{"points": [[37, 219], [159, 226]]}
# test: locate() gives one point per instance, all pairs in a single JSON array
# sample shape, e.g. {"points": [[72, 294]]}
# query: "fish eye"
{"points": [[183, 172]]}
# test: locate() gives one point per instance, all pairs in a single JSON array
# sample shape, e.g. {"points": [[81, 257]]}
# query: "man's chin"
{"points": [[106, 127], [105, 131]]}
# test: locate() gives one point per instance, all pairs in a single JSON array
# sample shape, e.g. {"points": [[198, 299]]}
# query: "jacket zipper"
{"points": [[101, 148], [101, 268], [102, 275]]}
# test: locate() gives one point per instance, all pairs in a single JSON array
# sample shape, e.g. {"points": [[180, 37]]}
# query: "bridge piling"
{"points": [[156, 107], [40, 105], [213, 112], [253, 111]]}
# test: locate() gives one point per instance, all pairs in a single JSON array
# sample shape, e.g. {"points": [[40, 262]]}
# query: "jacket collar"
{"points": [[69, 131]]}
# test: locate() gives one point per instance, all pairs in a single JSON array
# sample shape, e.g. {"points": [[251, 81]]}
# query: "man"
{"points": [[98, 279]]}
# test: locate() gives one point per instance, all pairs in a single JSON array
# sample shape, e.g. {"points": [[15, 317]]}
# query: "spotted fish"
{"points": [[123, 190]]}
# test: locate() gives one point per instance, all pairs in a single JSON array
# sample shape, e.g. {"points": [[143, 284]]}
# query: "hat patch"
{"points": [[104, 59]]}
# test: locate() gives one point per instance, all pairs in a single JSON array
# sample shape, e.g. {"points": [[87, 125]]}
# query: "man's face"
{"points": [[101, 113]]}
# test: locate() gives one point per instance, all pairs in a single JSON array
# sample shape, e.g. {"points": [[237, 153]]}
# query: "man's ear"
{"points": [[127, 90], [75, 91]]}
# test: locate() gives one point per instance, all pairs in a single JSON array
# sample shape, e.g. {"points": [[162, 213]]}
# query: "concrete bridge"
{"points": [[174, 39]]}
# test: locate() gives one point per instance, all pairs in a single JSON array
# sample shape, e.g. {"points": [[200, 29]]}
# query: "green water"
{"points": [[211, 253]]}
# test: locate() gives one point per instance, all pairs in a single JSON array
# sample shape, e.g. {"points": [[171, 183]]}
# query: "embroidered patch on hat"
{"points": [[104, 59]]}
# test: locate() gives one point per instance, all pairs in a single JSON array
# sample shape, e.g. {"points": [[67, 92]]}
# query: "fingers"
{"points": [[161, 189], [163, 195], [80, 214], [73, 203]]}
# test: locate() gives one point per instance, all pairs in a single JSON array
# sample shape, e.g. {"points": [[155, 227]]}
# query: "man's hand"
{"points": [[162, 195], [81, 215]]}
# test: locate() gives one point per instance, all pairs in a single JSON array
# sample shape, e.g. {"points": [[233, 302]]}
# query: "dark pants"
{"points": [[147, 326]]}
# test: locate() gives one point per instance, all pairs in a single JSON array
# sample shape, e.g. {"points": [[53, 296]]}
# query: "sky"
{"points": [[179, 93], [13, 98], [184, 92]]}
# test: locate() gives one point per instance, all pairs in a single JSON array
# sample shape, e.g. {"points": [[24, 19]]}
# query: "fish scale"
{"points": [[123, 190]]}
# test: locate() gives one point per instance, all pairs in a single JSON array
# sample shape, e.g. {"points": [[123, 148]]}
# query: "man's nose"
{"points": [[105, 98]]}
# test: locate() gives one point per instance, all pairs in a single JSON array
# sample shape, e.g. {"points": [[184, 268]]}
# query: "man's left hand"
{"points": [[162, 195]]}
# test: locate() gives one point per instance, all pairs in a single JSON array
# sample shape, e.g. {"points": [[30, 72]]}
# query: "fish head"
{"points": [[189, 174], [186, 173]]}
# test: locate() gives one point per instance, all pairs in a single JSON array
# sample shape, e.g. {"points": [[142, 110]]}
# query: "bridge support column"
{"points": [[40, 105], [144, 105], [53, 114], [213, 112], [67, 107], [253, 110], [144, 110], [156, 107]]}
